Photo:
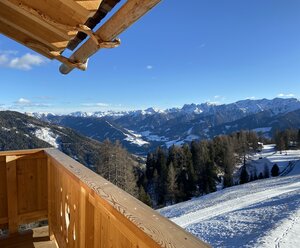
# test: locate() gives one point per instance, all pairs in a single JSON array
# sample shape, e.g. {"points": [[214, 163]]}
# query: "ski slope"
{"points": [[263, 213]]}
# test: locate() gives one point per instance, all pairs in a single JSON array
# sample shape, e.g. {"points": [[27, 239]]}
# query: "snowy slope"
{"points": [[45, 134], [286, 160], [264, 213]]}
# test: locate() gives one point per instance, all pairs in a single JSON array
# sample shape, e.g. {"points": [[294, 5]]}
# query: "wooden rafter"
{"points": [[50, 26], [130, 12]]}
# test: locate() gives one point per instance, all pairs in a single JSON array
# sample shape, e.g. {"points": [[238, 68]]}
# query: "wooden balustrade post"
{"points": [[49, 186], [12, 195]]}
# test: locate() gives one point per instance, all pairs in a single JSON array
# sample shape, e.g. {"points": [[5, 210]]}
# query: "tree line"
{"points": [[182, 172], [285, 139], [179, 173]]}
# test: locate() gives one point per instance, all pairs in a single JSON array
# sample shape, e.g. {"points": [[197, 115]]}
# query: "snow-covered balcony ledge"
{"points": [[82, 208]]}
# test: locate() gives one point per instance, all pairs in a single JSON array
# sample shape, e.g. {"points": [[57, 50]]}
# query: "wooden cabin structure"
{"points": [[82, 208], [49, 27]]}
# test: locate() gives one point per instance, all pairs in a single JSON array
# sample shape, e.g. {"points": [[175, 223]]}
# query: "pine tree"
{"points": [[244, 176], [172, 185], [154, 189], [228, 165], [161, 166], [150, 166], [275, 170], [144, 197], [190, 183]]}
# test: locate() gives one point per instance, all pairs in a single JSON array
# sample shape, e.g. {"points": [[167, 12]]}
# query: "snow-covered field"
{"points": [[263, 213]]}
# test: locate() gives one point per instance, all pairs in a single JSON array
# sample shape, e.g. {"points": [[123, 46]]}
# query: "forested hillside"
{"points": [[19, 131], [181, 172]]}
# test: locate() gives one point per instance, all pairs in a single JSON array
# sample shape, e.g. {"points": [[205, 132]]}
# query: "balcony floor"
{"points": [[36, 238]]}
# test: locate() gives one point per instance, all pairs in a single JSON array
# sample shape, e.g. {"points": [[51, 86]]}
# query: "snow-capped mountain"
{"points": [[142, 130]]}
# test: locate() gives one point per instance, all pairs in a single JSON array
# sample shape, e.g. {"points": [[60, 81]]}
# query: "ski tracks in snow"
{"points": [[233, 205]]}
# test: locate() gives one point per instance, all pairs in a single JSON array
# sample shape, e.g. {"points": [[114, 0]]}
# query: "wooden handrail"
{"points": [[83, 209]]}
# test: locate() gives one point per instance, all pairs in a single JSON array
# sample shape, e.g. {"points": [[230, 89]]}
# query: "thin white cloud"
{"points": [[218, 98], [97, 104], [285, 95], [213, 102], [3, 59], [149, 67], [25, 62], [23, 101], [250, 98]]}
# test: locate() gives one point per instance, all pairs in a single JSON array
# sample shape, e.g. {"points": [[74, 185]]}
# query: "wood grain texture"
{"points": [[32, 184], [115, 218], [12, 201], [31, 28], [83, 209], [37, 238], [47, 26], [23, 188], [3, 192], [129, 13], [44, 22]]}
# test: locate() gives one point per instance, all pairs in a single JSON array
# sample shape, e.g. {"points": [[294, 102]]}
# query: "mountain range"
{"points": [[19, 131], [142, 130]]}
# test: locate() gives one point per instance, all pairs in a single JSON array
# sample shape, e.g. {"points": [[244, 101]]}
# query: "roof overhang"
{"points": [[51, 26]]}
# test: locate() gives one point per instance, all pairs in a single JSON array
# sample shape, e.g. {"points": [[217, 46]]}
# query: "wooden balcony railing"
{"points": [[82, 208]]}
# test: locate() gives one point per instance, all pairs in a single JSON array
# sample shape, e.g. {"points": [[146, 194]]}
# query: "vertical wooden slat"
{"points": [[82, 216], [90, 225], [98, 230], [49, 199], [12, 200], [3, 188]]}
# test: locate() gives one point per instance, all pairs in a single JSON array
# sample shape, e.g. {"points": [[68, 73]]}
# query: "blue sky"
{"points": [[192, 52]]}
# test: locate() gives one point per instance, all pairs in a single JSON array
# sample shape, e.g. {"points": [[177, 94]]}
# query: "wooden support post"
{"points": [[12, 195], [51, 235]]}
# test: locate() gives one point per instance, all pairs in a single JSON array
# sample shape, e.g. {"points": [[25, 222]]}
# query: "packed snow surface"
{"points": [[263, 213]]}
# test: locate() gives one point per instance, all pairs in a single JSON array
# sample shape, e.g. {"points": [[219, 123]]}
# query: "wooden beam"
{"points": [[14, 5], [58, 10], [31, 28], [32, 217], [91, 5], [129, 13], [21, 38], [79, 8], [12, 199], [21, 152]]}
